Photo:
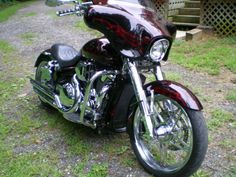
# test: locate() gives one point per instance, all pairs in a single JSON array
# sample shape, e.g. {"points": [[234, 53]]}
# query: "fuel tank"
{"points": [[101, 51], [131, 29]]}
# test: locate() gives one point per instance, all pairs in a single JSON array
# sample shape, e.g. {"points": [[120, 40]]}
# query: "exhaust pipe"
{"points": [[43, 92]]}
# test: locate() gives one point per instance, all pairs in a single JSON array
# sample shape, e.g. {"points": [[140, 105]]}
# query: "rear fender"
{"points": [[44, 56], [177, 92]]}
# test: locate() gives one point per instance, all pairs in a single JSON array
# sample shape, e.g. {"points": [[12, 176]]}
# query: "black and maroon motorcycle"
{"points": [[103, 86]]}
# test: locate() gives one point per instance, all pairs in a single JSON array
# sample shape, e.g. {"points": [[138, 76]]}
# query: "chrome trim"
{"points": [[164, 43], [78, 97], [84, 106], [172, 145], [140, 95], [158, 73], [45, 94], [152, 102]]}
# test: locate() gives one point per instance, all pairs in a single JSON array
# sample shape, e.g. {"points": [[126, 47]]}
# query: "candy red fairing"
{"points": [[101, 51], [177, 92], [129, 28]]}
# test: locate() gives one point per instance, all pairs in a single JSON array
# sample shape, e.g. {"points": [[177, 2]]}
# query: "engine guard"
{"points": [[177, 92]]}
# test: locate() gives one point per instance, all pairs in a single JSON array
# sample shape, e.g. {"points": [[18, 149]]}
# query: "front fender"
{"points": [[177, 92], [44, 56]]}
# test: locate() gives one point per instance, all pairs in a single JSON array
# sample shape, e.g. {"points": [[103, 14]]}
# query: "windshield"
{"points": [[145, 3]]}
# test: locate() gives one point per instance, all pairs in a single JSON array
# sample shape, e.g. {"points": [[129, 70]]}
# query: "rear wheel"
{"points": [[179, 143]]}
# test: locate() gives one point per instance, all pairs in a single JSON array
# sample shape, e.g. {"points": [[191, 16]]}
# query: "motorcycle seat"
{"points": [[65, 55]]}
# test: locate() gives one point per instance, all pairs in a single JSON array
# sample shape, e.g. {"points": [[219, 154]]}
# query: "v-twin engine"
{"points": [[79, 96]]}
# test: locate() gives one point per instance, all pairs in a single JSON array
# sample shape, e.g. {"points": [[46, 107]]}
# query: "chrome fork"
{"points": [[140, 95]]}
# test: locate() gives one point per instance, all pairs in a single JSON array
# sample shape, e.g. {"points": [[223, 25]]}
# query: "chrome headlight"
{"points": [[159, 49]]}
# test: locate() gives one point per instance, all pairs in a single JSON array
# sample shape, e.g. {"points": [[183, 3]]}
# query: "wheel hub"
{"points": [[163, 133]]}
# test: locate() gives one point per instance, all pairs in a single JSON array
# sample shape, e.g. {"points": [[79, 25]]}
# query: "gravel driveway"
{"points": [[35, 28]]}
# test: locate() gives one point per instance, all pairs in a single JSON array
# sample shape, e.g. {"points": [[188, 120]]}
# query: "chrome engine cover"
{"points": [[66, 94]]}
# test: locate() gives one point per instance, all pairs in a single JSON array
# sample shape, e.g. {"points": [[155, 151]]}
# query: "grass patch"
{"points": [[28, 38], [173, 76], [98, 170], [228, 143], [219, 118], [9, 88], [6, 48], [9, 10], [30, 14], [201, 173], [207, 55], [80, 25], [231, 96], [168, 76], [31, 164]]}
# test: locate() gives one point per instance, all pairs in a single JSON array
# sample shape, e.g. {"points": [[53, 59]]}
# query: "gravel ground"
{"points": [[46, 29]]}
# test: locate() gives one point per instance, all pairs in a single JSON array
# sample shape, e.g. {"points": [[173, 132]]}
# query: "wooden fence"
{"points": [[220, 14], [169, 7]]}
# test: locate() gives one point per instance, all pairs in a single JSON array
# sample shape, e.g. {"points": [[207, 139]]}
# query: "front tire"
{"points": [[176, 153]]}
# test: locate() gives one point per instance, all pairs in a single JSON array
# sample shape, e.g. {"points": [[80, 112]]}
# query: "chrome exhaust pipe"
{"points": [[43, 92]]}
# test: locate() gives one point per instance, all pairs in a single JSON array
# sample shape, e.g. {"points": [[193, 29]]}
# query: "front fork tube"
{"points": [[140, 95]]}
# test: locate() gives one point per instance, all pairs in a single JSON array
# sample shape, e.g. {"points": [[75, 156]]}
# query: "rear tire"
{"points": [[189, 134]]}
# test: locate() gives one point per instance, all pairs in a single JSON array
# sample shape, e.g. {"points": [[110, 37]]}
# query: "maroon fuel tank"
{"points": [[130, 28], [101, 51]]}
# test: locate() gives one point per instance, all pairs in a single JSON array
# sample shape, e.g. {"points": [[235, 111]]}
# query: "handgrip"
{"points": [[66, 12]]}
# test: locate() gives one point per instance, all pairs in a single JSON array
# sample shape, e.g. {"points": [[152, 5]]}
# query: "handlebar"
{"points": [[78, 10]]}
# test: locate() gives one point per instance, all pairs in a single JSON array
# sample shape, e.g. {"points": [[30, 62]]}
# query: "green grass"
{"points": [[219, 118], [98, 170], [209, 55], [31, 164], [82, 26], [6, 48], [228, 143], [231, 96], [28, 38], [30, 14], [201, 173], [169, 75], [7, 12]]}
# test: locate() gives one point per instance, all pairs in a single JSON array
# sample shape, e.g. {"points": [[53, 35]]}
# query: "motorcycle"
{"points": [[103, 86]]}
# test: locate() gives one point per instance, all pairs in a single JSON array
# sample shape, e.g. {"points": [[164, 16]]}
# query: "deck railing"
{"points": [[169, 7]]}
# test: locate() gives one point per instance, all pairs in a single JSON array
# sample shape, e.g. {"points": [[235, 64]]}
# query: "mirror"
{"points": [[53, 3]]}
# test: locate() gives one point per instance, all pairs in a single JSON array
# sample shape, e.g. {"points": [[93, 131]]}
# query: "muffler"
{"points": [[46, 94]]}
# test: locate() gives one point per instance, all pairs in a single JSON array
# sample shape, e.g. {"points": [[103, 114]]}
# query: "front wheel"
{"points": [[180, 139]]}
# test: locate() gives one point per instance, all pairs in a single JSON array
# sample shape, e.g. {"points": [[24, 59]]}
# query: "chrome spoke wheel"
{"points": [[171, 150]]}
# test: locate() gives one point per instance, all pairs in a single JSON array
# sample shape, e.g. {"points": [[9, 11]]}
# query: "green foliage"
{"points": [[28, 38], [219, 118], [6, 47], [98, 170], [207, 55], [9, 8], [82, 26], [228, 143], [231, 96], [31, 164], [168, 76], [30, 14], [201, 173]]}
